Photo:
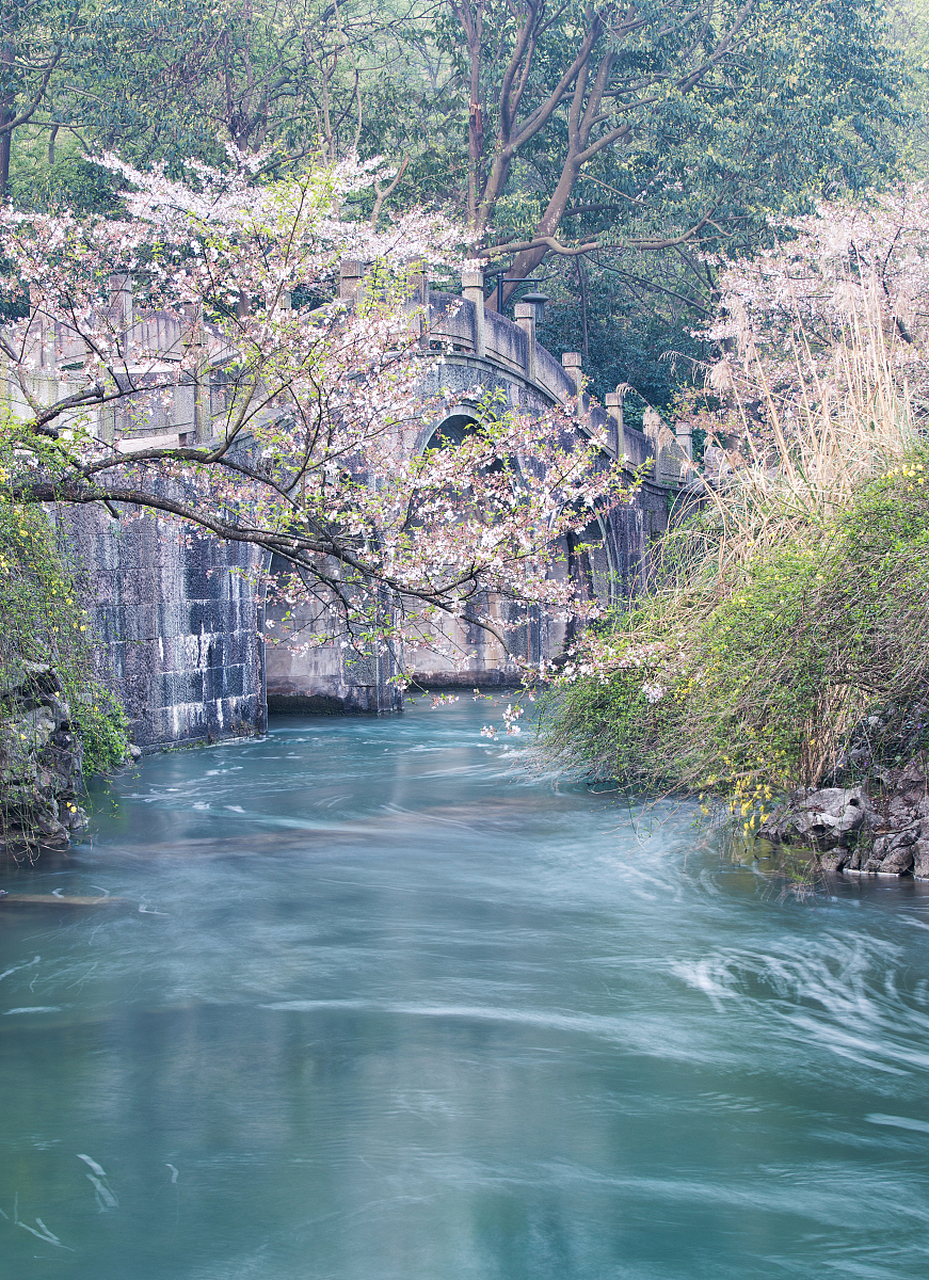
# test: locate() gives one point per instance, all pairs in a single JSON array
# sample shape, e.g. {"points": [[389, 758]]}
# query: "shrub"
{"points": [[42, 621]]}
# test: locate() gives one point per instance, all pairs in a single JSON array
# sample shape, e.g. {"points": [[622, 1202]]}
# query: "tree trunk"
{"points": [[7, 116]]}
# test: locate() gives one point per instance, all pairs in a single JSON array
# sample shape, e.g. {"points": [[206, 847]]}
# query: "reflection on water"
{"points": [[375, 1008]]}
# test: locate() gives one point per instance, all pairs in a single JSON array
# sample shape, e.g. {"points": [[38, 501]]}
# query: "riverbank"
{"points": [[780, 653], [40, 763]]}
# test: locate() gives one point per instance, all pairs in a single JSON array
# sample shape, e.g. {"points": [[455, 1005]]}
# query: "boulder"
{"points": [[920, 852], [828, 817], [894, 840], [899, 811], [898, 862], [836, 859], [913, 776]]}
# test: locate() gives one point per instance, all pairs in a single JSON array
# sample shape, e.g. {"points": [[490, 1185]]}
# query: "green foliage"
{"points": [[103, 727], [42, 621], [766, 673], [69, 182], [632, 336]]}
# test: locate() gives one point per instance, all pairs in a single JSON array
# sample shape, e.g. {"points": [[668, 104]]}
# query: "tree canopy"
{"points": [[611, 147]]}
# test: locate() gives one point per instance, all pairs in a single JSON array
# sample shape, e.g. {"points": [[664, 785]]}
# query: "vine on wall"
{"points": [[58, 721]]}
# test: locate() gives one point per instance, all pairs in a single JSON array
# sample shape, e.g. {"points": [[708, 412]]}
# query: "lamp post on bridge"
{"points": [[502, 278]]}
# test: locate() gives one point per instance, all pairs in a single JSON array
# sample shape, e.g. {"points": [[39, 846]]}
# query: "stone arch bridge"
{"points": [[182, 633]]}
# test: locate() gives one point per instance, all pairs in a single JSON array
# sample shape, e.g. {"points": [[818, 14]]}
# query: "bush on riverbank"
{"points": [[786, 618], [755, 684]]}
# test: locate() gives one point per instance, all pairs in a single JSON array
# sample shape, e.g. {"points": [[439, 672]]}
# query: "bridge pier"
{"points": [[176, 619]]}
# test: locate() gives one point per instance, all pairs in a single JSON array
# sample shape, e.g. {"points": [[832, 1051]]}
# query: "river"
{"points": [[375, 1006]]}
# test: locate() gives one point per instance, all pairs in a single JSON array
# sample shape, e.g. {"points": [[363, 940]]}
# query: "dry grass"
{"points": [[814, 447]]}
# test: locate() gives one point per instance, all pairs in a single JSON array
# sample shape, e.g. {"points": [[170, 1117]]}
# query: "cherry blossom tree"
{"points": [[304, 409], [851, 278]]}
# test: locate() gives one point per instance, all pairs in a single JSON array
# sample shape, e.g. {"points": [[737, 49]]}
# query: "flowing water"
{"points": [[375, 1007]]}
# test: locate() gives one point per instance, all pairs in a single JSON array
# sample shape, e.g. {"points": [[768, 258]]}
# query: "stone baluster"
{"points": [[525, 319], [199, 428], [419, 289], [106, 424], [472, 288], [572, 362], [36, 337], [684, 434], [121, 302], [614, 413]]}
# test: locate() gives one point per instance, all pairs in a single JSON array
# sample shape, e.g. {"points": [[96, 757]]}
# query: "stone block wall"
{"points": [[176, 615]]}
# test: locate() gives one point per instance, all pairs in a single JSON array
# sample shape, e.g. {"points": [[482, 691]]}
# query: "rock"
{"points": [[27, 676], [899, 812], [887, 844], [881, 847], [898, 862], [58, 901], [913, 775], [829, 816], [920, 852], [40, 764], [836, 860], [135, 753]]}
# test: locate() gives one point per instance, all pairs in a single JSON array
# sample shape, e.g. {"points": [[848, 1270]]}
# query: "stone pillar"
{"points": [[572, 362], [106, 424], [472, 288], [525, 318], [419, 289], [35, 338], [614, 412], [416, 305], [351, 272], [201, 427], [684, 434], [121, 301]]}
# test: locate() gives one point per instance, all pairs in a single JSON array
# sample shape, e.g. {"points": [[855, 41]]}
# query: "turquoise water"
{"points": [[374, 1007]]}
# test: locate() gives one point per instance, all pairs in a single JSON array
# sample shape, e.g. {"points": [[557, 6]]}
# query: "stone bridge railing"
{"points": [[471, 332]]}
